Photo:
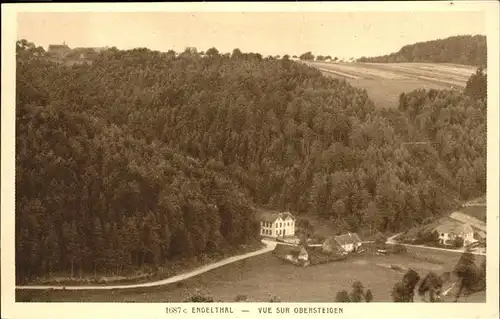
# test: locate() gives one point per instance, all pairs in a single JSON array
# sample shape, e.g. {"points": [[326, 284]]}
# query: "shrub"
{"points": [[368, 296], [342, 296], [241, 298], [477, 85], [399, 249], [400, 293], [458, 242], [357, 293], [199, 296]]}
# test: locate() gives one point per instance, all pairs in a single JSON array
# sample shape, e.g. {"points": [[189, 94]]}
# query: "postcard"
{"points": [[237, 160]]}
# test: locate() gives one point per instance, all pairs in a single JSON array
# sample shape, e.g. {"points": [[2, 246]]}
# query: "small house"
{"points": [[331, 246], [276, 224], [58, 50], [297, 255], [451, 230], [348, 242]]}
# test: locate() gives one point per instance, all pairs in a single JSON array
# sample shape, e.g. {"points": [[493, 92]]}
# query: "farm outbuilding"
{"points": [[348, 242]]}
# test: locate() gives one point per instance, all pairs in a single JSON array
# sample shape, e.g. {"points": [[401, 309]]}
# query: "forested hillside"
{"points": [[144, 157], [464, 49]]}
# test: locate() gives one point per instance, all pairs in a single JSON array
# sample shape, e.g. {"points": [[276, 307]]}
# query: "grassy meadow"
{"points": [[264, 276]]}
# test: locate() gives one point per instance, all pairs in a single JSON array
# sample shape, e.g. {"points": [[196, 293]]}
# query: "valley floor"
{"points": [[264, 276]]}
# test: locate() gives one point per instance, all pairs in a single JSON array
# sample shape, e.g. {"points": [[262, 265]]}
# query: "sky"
{"points": [[341, 34]]}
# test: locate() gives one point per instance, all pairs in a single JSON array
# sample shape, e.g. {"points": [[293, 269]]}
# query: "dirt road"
{"points": [[270, 245], [391, 241]]}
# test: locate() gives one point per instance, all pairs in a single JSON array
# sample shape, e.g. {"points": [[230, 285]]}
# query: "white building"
{"points": [[348, 242], [450, 230], [274, 224]]}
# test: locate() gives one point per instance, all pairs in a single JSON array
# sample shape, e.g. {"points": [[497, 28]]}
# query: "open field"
{"points": [[264, 276], [384, 82]]}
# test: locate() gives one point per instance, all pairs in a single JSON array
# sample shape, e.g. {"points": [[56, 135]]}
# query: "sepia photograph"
{"points": [[293, 157]]}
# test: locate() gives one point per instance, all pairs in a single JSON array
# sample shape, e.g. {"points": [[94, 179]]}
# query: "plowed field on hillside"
{"points": [[384, 82]]}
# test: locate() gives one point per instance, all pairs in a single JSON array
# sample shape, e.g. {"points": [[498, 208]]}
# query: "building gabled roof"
{"points": [[349, 238], [333, 244], [58, 47], [272, 216], [454, 227], [284, 250]]}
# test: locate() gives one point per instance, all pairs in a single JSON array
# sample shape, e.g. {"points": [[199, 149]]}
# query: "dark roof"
{"points": [[271, 216], [333, 243], [287, 250], [349, 238]]}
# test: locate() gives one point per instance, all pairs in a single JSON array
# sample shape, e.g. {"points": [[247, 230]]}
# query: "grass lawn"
{"points": [[174, 268], [263, 276]]}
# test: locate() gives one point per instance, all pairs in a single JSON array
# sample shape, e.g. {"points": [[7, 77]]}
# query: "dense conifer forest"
{"points": [[144, 157], [463, 49]]}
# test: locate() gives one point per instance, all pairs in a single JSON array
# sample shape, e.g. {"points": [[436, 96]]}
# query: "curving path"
{"points": [[391, 241], [270, 245]]}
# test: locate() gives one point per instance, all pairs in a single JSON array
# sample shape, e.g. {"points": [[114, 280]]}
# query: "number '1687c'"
{"points": [[173, 310]]}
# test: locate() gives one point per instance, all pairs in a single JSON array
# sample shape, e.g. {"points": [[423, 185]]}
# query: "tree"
{"points": [[357, 293], [241, 298], [236, 54], [368, 296], [400, 293], [431, 285], [212, 52], [481, 285], [198, 297], [476, 86], [308, 56], [467, 272], [458, 242], [410, 281], [274, 299], [342, 296], [464, 49], [380, 240]]}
